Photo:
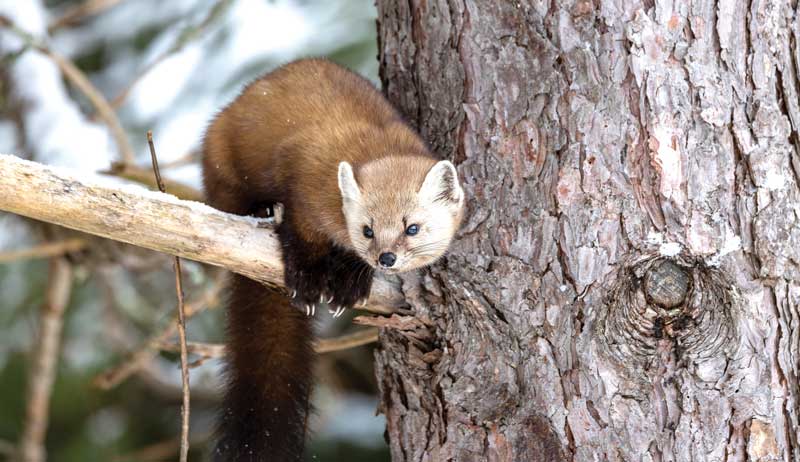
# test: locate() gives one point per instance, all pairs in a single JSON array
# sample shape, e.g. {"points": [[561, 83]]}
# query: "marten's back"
{"points": [[297, 122]]}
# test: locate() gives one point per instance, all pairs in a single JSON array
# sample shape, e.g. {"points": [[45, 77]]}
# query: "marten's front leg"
{"points": [[305, 267], [316, 273], [349, 279]]}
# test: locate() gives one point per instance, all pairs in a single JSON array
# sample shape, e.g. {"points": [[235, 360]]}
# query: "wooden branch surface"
{"points": [[157, 221]]}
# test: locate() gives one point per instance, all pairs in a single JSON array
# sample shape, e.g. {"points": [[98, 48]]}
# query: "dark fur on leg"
{"points": [[265, 407], [349, 277], [305, 271], [320, 273]]}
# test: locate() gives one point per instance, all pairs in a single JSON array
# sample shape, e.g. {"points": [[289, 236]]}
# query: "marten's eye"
{"points": [[368, 232], [412, 230]]}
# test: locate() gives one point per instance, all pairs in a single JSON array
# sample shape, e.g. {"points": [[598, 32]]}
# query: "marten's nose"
{"points": [[387, 259]]}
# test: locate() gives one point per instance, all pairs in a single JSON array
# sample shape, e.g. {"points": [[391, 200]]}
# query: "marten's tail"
{"points": [[265, 406]]}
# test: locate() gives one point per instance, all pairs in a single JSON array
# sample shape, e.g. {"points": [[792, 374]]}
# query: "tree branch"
{"points": [[185, 36], [156, 221], [44, 250], [142, 355], [185, 409], [78, 13], [84, 85], [322, 345], [42, 372]]}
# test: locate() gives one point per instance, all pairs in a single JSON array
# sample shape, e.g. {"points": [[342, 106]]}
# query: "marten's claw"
{"points": [[336, 312]]}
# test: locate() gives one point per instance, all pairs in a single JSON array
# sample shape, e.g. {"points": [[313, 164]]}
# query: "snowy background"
{"points": [[186, 59]]}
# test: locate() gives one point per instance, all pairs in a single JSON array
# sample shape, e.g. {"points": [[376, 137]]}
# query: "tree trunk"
{"points": [[626, 285]]}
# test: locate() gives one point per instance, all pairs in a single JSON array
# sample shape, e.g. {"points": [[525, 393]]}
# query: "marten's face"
{"points": [[402, 213]]}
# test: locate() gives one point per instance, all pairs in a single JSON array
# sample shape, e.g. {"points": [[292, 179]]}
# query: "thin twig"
{"points": [[189, 158], [42, 371], [154, 159], [145, 176], [202, 349], [46, 250], [185, 36], [80, 12], [325, 345], [184, 452], [158, 451], [136, 360], [358, 338], [82, 83], [161, 383]]}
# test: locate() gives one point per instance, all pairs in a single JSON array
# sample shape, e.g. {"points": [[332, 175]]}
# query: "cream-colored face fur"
{"points": [[391, 195]]}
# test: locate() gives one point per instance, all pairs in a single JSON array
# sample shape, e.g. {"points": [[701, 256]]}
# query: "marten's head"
{"points": [[401, 211]]}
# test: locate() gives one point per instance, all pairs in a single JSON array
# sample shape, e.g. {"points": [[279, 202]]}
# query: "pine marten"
{"points": [[361, 192]]}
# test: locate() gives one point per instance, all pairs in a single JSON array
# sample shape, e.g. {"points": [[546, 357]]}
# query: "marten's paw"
{"points": [[349, 280], [306, 285], [305, 276], [339, 277]]}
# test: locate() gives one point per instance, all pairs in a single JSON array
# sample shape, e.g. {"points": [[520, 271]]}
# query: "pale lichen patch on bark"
{"points": [[762, 445]]}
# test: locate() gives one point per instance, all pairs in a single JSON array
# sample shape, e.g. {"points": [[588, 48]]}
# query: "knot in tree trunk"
{"points": [[666, 284], [678, 299]]}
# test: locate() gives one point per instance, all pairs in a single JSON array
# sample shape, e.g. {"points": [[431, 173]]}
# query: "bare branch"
{"points": [[158, 451], [358, 338], [184, 449], [186, 35], [186, 159], [205, 350], [80, 12], [146, 352], [45, 250], [155, 221], [82, 83], [325, 345], [42, 372]]}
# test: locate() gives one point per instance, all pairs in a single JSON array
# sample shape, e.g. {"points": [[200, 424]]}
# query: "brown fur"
{"points": [[282, 141], [284, 137]]}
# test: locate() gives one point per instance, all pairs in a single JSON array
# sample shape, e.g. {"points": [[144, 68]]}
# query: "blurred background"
{"points": [[165, 66]]}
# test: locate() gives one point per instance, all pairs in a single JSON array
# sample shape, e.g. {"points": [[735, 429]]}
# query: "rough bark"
{"points": [[627, 283]]}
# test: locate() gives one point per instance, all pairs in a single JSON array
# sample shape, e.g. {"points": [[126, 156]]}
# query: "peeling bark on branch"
{"points": [[594, 139], [155, 221]]}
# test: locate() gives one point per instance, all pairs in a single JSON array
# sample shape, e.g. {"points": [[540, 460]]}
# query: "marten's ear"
{"points": [[347, 183], [441, 184]]}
